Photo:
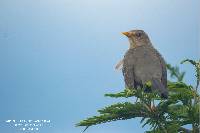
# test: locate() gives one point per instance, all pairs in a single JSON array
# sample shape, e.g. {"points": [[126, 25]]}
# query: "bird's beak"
{"points": [[126, 34]]}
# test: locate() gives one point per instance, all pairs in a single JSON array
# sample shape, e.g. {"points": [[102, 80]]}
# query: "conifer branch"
{"points": [[197, 69], [175, 72], [164, 116]]}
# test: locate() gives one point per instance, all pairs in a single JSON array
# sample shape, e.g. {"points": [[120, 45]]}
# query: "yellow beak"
{"points": [[126, 33]]}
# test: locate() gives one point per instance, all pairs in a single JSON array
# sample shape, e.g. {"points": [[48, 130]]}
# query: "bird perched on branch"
{"points": [[142, 63]]}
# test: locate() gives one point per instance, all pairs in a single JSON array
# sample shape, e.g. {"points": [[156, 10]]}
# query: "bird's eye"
{"points": [[138, 34]]}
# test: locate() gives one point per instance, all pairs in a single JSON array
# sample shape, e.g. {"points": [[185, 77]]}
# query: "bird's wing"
{"points": [[164, 69], [164, 73], [147, 65], [128, 69], [150, 66]]}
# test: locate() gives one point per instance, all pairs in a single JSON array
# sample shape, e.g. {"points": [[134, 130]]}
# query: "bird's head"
{"points": [[137, 38]]}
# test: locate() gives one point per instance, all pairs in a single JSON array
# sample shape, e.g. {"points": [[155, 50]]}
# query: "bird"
{"points": [[142, 64]]}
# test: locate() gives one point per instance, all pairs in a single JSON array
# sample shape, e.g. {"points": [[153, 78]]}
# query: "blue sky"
{"points": [[58, 57]]}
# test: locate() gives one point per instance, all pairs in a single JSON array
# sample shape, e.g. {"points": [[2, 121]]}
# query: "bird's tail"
{"points": [[157, 85]]}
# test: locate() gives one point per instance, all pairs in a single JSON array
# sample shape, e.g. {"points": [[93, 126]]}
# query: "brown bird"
{"points": [[142, 63]]}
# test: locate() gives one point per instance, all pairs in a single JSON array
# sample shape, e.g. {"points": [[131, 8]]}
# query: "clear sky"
{"points": [[57, 57]]}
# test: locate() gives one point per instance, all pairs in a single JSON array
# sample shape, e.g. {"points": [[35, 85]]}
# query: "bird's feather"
{"points": [[119, 65]]}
